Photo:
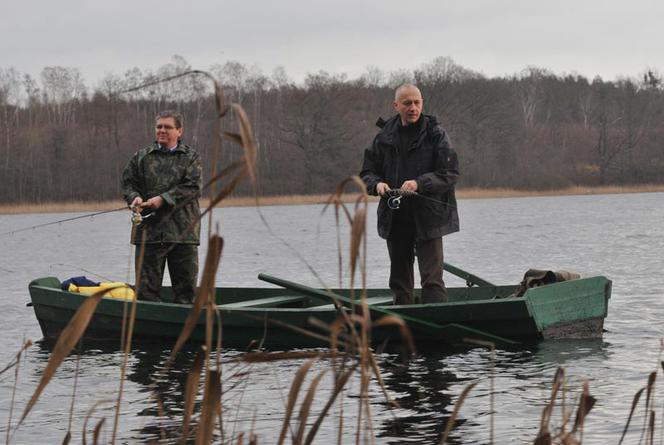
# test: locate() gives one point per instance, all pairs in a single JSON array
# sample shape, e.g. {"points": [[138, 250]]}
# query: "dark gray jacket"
{"points": [[437, 170]]}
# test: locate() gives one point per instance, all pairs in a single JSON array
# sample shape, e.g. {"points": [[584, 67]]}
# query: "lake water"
{"points": [[619, 236]]}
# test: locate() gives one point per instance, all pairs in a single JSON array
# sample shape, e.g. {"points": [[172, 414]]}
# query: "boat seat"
{"points": [[383, 299], [371, 301], [276, 301]]}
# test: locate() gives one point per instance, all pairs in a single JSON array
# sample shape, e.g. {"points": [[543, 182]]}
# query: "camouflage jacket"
{"points": [[176, 177]]}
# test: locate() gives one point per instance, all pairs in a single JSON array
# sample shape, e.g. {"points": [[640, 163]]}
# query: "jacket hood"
{"points": [[389, 128], [382, 123]]}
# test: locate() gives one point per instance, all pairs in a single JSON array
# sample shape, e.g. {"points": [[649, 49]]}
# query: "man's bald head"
{"points": [[408, 103], [406, 87]]}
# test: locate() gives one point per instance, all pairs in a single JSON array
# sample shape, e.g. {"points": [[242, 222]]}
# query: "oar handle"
{"points": [[469, 277]]}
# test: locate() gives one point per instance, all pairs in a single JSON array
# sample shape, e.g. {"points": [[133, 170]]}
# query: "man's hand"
{"points": [[136, 203], [155, 203], [409, 186], [382, 188]]}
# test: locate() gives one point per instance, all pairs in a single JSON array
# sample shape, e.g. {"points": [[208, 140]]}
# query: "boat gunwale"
{"points": [[513, 309], [317, 308], [325, 307]]}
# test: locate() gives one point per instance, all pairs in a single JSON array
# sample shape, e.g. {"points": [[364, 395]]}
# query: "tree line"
{"points": [[64, 140]]}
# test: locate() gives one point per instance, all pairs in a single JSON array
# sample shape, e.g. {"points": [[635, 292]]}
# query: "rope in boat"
{"points": [[394, 197], [89, 215]]}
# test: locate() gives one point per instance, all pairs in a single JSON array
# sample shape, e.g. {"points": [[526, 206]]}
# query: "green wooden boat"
{"points": [[296, 316]]}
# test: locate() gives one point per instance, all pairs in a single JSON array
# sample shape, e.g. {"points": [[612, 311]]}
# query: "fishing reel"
{"points": [[394, 197], [137, 217]]}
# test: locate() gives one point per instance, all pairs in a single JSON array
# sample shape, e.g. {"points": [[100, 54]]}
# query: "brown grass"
{"points": [[463, 193]]}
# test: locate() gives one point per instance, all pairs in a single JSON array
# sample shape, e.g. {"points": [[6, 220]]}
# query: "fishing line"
{"points": [[89, 215], [82, 269], [394, 197]]}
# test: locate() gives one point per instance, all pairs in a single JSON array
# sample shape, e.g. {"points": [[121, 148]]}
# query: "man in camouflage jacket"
{"points": [[164, 181]]}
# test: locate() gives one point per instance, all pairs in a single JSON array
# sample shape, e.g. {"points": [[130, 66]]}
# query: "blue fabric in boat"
{"points": [[78, 281]]}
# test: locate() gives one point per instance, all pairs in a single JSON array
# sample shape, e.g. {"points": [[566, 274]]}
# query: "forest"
{"points": [[65, 140]]}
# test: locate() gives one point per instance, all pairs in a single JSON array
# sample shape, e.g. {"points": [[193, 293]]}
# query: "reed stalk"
{"points": [[69, 337], [88, 415], [73, 395], [126, 339], [16, 365]]}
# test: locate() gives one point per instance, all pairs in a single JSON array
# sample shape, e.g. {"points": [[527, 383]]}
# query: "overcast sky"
{"points": [[609, 38]]}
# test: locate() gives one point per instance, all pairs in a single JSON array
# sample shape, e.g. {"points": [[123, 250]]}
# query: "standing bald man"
{"points": [[413, 153]]}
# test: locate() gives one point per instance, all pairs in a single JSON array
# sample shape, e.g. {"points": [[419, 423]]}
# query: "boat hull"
{"points": [[281, 319]]}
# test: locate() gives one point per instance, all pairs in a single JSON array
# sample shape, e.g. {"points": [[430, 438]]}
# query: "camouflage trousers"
{"points": [[182, 262]]}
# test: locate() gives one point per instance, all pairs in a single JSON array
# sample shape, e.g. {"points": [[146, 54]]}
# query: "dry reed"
{"points": [[292, 397], [128, 320], [88, 416], [559, 435], [69, 337], [77, 325], [635, 403], [648, 427], [15, 364], [305, 407], [455, 412], [210, 409], [191, 389]]}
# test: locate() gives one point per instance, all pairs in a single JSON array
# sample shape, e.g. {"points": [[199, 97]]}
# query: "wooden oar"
{"points": [[452, 333], [469, 277]]}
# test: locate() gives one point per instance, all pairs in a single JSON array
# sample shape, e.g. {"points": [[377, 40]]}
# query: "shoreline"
{"points": [[463, 193]]}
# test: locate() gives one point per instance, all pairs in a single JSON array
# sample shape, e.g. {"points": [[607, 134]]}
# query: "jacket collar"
{"points": [[156, 147], [390, 128]]}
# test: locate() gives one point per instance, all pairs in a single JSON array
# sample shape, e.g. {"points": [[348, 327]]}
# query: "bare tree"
{"points": [[620, 121], [531, 130], [529, 90]]}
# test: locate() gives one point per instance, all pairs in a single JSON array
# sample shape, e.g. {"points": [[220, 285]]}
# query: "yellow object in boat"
{"points": [[119, 290]]}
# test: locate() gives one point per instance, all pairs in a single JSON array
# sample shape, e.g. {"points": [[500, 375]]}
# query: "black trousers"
{"points": [[403, 249], [182, 262]]}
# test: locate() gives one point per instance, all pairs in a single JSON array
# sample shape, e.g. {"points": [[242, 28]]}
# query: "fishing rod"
{"points": [[394, 197], [89, 215]]}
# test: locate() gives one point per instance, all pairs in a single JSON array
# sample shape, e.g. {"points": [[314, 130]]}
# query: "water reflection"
{"points": [[425, 387], [163, 416], [564, 352], [421, 388], [152, 401]]}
